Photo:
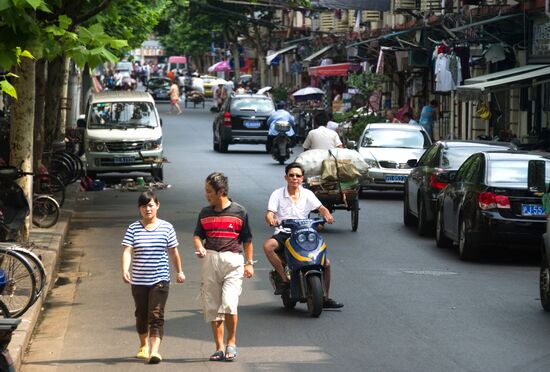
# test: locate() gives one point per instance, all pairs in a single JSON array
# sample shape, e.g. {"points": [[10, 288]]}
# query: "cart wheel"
{"points": [[355, 215]]}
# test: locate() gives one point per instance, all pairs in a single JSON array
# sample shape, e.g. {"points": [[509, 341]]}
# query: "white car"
{"points": [[386, 148]]}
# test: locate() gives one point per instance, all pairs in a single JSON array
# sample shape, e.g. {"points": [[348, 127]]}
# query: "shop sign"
{"points": [[541, 39]]}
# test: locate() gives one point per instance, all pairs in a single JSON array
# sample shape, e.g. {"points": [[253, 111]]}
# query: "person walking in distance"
{"points": [[293, 202], [428, 115], [322, 137], [174, 93], [221, 234], [147, 245]]}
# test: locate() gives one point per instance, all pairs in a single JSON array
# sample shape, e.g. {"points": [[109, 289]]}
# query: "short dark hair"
{"points": [[146, 197], [434, 102], [218, 181], [321, 119], [294, 165]]}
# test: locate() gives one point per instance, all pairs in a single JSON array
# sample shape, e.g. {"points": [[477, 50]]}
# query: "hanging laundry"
{"points": [[495, 53]]}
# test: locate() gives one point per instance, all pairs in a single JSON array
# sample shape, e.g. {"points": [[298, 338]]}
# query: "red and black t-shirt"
{"points": [[224, 230]]}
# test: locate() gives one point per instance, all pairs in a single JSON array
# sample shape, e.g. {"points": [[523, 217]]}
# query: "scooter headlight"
{"points": [[311, 237], [301, 238]]}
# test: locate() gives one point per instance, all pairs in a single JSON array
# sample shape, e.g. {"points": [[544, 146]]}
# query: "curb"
{"points": [[50, 243]]}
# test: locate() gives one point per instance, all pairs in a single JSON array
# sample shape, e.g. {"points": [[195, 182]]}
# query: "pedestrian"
{"points": [[390, 117], [293, 201], [220, 95], [322, 137], [174, 93], [147, 244], [407, 118], [221, 234], [428, 115]]}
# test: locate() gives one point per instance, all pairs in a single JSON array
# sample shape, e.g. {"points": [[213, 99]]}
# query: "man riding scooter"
{"points": [[293, 202], [280, 115]]}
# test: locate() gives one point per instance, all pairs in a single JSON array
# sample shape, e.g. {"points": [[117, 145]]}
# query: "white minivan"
{"points": [[123, 133]]}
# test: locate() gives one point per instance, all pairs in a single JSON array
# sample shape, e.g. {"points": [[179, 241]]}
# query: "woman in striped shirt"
{"points": [[147, 245]]}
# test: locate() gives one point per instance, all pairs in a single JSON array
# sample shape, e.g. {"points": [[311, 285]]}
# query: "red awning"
{"points": [[338, 69]]}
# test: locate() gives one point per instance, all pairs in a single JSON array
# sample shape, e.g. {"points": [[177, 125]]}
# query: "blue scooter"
{"points": [[304, 257]]}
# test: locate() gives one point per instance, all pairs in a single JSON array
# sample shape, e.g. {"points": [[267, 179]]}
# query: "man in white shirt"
{"points": [[322, 137]]}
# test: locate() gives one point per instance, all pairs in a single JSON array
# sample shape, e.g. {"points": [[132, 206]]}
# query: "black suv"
{"points": [[242, 119]]}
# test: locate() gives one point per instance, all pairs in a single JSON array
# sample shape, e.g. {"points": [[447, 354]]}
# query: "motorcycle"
{"points": [[280, 149], [303, 257]]}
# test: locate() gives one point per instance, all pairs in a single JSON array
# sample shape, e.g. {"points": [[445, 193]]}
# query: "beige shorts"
{"points": [[221, 284]]}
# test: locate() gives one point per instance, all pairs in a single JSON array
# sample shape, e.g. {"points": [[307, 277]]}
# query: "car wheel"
{"points": [[408, 218], [440, 239], [424, 227], [544, 283], [216, 146], [467, 249]]}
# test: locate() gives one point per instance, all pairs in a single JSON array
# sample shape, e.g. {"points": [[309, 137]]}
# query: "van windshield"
{"points": [[122, 115]]}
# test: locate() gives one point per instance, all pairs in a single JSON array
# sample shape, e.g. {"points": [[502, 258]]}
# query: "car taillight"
{"points": [[435, 183], [227, 119], [488, 200]]}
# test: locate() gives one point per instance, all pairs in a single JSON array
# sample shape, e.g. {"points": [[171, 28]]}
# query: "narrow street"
{"points": [[409, 306]]}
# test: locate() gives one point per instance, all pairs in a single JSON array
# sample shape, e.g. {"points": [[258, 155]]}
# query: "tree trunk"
{"points": [[64, 101], [236, 62], [21, 131], [39, 110], [54, 88]]}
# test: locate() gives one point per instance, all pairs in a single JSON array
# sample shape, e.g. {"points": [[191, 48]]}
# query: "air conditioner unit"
{"points": [[419, 58], [430, 6]]}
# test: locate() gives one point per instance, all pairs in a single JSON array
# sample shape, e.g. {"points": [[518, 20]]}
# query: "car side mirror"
{"points": [[161, 122], [81, 123], [351, 145], [536, 176], [412, 163]]}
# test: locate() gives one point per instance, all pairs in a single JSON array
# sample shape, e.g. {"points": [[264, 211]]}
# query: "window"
{"points": [[430, 157], [382, 137], [107, 115]]}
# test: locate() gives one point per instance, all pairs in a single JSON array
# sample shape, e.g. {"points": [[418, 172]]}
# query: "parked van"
{"points": [[123, 133], [178, 63]]}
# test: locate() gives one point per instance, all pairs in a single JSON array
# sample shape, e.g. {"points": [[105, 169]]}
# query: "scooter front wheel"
{"points": [[314, 295]]}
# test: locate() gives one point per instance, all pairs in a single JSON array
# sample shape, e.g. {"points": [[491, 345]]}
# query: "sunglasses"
{"points": [[293, 175]]}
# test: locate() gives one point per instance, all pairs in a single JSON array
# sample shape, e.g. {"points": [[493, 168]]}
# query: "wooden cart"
{"points": [[334, 197]]}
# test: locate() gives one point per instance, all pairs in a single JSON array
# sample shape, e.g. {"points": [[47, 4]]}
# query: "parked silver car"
{"points": [[387, 147]]}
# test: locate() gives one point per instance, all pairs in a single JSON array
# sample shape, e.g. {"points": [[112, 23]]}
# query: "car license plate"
{"points": [[532, 210], [252, 124], [395, 179], [124, 159]]}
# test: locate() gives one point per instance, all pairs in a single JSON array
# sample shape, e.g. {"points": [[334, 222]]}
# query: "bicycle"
{"points": [[45, 211], [19, 292]]}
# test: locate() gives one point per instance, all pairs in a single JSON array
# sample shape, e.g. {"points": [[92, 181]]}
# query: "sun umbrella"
{"points": [[264, 89], [308, 91], [220, 66]]}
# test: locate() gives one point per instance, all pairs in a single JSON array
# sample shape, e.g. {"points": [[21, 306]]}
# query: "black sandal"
{"points": [[218, 356]]}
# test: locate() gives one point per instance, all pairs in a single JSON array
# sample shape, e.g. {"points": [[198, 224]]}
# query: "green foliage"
{"points": [[280, 94], [366, 82], [359, 119]]}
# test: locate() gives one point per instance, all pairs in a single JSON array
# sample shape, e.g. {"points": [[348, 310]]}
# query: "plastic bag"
{"points": [[339, 170], [312, 160]]}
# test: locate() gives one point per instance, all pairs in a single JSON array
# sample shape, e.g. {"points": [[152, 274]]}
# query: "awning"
{"points": [[273, 55], [337, 69], [503, 74], [391, 35], [318, 53], [476, 91], [486, 21]]}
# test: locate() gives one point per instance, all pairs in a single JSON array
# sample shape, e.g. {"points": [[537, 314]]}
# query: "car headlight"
{"points": [[97, 146], [152, 145], [372, 163], [301, 238], [311, 237]]}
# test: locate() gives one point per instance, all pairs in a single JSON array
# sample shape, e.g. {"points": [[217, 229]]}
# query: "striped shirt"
{"points": [[149, 248], [224, 231]]}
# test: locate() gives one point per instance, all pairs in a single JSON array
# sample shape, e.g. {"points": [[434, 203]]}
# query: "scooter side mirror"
{"points": [[351, 145]]}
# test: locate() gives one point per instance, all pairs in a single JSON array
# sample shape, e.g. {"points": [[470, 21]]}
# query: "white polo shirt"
{"points": [[322, 138], [284, 208]]}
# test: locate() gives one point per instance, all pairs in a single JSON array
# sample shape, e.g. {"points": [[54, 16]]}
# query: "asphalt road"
{"points": [[408, 305]]}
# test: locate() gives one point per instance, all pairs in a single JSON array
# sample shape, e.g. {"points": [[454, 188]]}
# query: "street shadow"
{"points": [[381, 195]]}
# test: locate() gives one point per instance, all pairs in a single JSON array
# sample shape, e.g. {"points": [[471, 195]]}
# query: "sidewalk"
{"points": [[49, 243]]}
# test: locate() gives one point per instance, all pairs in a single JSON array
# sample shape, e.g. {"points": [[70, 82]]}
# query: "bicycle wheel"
{"points": [[45, 211], [19, 292], [62, 168], [49, 184], [74, 162], [37, 266], [4, 311]]}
